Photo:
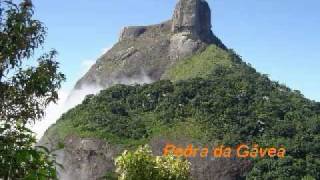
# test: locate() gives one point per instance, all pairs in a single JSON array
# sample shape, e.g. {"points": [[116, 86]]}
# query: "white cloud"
{"points": [[67, 100], [86, 65], [52, 113], [105, 50], [70, 98]]}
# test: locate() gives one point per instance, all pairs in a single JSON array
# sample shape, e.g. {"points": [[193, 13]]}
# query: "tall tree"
{"points": [[25, 91]]}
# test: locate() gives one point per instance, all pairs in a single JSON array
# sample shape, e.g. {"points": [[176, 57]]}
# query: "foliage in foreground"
{"points": [[142, 165], [25, 91], [19, 158]]}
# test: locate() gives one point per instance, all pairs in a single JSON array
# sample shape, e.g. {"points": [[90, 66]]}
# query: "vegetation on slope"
{"points": [[199, 65], [229, 104]]}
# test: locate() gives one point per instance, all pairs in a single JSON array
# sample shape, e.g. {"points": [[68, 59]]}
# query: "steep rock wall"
{"points": [[147, 51]]}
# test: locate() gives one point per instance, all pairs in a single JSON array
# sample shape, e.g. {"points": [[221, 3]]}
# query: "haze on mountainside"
{"points": [[202, 93], [147, 51]]}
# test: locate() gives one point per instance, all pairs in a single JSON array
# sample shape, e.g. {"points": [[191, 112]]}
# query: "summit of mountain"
{"points": [[146, 52]]}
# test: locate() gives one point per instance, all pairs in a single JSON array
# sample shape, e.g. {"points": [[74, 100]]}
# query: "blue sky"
{"points": [[278, 37]]}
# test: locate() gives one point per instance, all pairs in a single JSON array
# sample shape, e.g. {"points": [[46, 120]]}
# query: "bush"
{"points": [[142, 165]]}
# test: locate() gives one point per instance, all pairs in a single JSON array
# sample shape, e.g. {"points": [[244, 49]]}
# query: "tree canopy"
{"points": [[25, 91]]}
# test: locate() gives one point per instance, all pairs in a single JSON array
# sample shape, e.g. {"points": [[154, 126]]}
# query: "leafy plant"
{"points": [[142, 165], [24, 92]]}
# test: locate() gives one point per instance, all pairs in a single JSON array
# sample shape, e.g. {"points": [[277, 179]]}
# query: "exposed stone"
{"points": [[144, 57], [150, 50], [182, 46], [131, 32], [193, 17], [208, 168], [122, 55], [85, 159], [91, 159]]}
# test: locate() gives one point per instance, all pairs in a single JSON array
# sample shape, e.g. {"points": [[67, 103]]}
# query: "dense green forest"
{"points": [[222, 98]]}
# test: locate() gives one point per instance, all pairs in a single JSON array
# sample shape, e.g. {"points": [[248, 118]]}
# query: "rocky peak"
{"points": [[193, 17], [131, 32], [151, 50]]}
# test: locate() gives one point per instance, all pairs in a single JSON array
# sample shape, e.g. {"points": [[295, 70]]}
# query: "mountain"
{"points": [[202, 94], [147, 51]]}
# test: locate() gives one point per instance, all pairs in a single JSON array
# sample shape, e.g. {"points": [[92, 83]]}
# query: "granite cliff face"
{"points": [[92, 159], [147, 51], [85, 158], [194, 18]]}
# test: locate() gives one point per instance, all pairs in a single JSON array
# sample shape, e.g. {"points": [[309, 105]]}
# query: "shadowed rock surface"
{"points": [[91, 159], [86, 158], [205, 168]]}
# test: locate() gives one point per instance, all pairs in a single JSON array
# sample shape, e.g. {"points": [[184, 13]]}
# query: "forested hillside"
{"points": [[221, 100]]}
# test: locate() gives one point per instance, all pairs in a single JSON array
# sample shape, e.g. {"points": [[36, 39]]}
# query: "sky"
{"points": [[277, 37]]}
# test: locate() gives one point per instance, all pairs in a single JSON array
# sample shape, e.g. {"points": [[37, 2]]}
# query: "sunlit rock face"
{"points": [[194, 18]]}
